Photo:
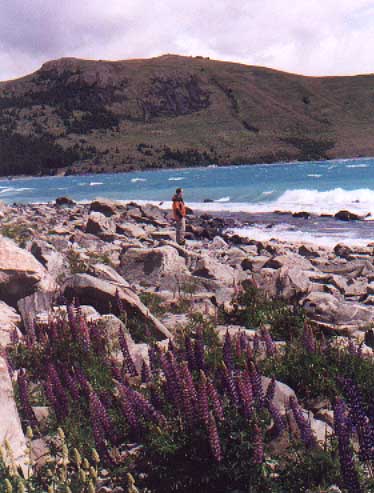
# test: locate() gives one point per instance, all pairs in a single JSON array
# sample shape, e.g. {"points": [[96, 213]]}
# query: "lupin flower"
{"points": [[199, 350], [256, 382], [229, 384], [190, 353], [347, 467], [202, 399], [360, 419], [153, 353], [214, 441], [268, 340], [145, 373], [258, 446], [246, 397], [145, 407], [270, 391], [128, 362], [128, 410], [98, 433], [309, 339], [24, 399], [302, 423], [228, 352], [101, 415], [73, 321], [189, 395], [238, 347], [243, 341], [71, 384], [256, 343], [280, 424], [58, 390], [83, 381], [215, 400]]}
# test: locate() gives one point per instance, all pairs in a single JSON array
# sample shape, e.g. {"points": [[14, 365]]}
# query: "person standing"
{"points": [[179, 212]]}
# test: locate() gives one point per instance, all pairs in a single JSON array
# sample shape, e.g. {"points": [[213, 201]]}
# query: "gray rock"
{"points": [[339, 316], [102, 295], [148, 266], [106, 206], [100, 225], [209, 267], [47, 255], [20, 272]]}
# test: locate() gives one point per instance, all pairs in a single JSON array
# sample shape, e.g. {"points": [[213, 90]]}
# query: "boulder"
{"points": [[30, 306], [47, 255], [65, 201], [209, 267], [340, 316], [289, 260], [102, 295], [20, 272], [131, 230], [347, 216], [107, 273], [10, 424], [9, 322], [106, 206], [100, 225], [148, 266]]}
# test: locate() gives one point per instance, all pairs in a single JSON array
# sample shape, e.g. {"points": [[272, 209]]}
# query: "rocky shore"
{"points": [[102, 251]]}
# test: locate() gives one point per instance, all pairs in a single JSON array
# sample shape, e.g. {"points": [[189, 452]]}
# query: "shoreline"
{"points": [[181, 168]]}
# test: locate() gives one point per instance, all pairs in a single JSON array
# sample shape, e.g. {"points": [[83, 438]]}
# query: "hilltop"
{"points": [[80, 116]]}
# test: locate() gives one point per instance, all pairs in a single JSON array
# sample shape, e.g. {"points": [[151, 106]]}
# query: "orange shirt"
{"points": [[179, 209]]}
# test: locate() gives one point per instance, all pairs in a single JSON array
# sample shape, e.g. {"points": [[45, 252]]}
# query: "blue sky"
{"points": [[311, 37]]}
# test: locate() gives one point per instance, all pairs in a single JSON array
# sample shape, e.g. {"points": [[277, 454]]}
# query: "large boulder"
{"points": [[106, 206], [149, 266], [47, 255], [209, 267], [337, 315], [103, 296], [9, 322], [20, 272], [10, 425], [100, 225]]}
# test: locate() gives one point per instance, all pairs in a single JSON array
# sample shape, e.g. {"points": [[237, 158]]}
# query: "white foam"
{"points": [[315, 176], [356, 166], [270, 192], [96, 183], [291, 235], [223, 199], [176, 178], [134, 180], [14, 190]]}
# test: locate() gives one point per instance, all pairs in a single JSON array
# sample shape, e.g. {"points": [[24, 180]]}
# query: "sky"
{"points": [[310, 37]]}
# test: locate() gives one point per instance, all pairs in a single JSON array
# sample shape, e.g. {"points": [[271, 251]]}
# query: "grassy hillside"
{"points": [[79, 115]]}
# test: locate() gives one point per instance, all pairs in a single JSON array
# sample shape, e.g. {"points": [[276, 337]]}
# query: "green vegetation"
{"points": [[86, 116]]}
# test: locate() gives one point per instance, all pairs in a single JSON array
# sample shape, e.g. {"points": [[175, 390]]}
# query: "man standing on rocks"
{"points": [[179, 212]]}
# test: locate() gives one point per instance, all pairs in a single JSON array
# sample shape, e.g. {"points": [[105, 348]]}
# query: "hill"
{"points": [[80, 116]]}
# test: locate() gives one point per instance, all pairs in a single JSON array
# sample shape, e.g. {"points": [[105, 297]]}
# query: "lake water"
{"points": [[322, 187]]}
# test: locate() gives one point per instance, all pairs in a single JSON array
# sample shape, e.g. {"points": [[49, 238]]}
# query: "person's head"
{"points": [[179, 192]]}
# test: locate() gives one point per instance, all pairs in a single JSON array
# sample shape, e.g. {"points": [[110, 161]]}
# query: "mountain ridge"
{"points": [[79, 116]]}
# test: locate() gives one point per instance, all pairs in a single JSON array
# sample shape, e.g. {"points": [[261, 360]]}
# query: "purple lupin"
{"points": [[214, 441], [302, 423], [129, 364], [268, 340], [228, 352], [347, 466], [258, 446], [199, 350], [309, 339], [215, 400], [23, 386], [202, 399], [256, 382]]}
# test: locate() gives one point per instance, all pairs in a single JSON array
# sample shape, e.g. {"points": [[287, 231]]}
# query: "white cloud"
{"points": [[313, 37]]}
